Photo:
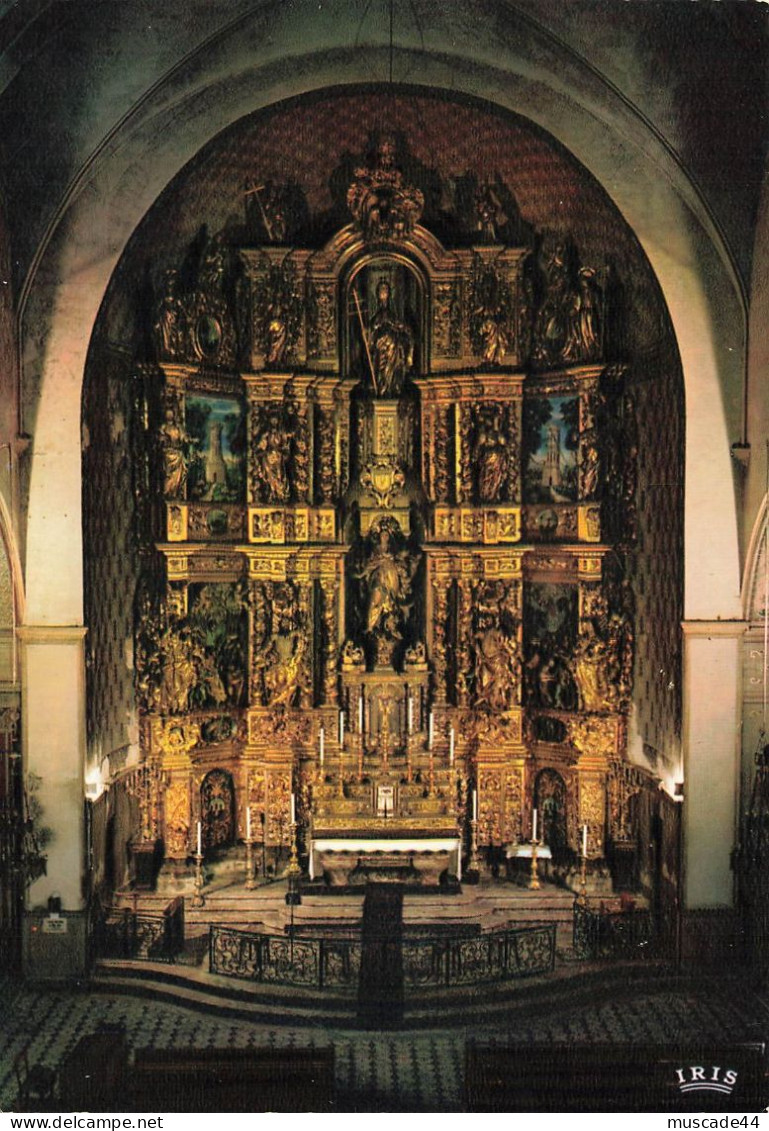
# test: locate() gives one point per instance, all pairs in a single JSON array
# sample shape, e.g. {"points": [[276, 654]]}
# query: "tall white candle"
{"points": [[200, 840], [475, 804], [411, 714], [430, 730], [534, 825], [584, 841], [293, 809], [451, 747], [341, 728], [248, 822], [321, 744]]}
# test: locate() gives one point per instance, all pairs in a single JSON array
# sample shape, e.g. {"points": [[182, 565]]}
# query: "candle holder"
{"points": [[431, 770], [293, 872], [250, 877], [534, 881], [582, 897], [198, 899], [472, 871]]}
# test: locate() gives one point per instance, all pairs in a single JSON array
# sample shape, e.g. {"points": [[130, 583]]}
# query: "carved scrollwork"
{"points": [[280, 666], [381, 202], [176, 807], [325, 476], [447, 320], [441, 455]]}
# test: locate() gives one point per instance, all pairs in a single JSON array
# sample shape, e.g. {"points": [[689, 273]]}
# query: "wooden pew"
{"points": [[622, 1078], [218, 1079]]}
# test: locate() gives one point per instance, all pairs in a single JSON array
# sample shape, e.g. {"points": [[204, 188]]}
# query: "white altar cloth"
{"points": [[524, 851], [410, 846]]}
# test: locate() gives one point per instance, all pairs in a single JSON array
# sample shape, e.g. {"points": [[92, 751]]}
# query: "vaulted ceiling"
{"points": [[75, 74]]}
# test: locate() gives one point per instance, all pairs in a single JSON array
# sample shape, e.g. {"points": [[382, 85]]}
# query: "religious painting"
{"points": [[550, 443], [216, 632], [216, 430]]}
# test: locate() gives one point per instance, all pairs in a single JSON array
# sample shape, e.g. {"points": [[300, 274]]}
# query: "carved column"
{"points": [[441, 477], [463, 472], [261, 592], [513, 421], [302, 454], [437, 626], [464, 641], [305, 697], [331, 587], [325, 454]]}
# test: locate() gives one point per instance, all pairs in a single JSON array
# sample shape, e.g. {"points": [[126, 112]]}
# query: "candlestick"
{"points": [[341, 728], [198, 899], [430, 729], [584, 842], [250, 877], [293, 809], [411, 713], [475, 804], [534, 880], [321, 744], [200, 840], [534, 825], [360, 713], [248, 822], [451, 747]]}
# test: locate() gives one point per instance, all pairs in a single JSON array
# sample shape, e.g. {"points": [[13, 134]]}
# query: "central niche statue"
{"points": [[391, 346], [387, 576]]}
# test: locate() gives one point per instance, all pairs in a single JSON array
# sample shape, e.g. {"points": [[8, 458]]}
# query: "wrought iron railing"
{"points": [[324, 962], [602, 930], [281, 959], [495, 956], [124, 933]]}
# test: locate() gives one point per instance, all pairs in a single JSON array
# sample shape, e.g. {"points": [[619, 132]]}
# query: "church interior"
{"points": [[383, 555]]}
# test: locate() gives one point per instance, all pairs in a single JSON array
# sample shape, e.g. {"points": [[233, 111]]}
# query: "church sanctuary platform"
{"points": [[283, 950]]}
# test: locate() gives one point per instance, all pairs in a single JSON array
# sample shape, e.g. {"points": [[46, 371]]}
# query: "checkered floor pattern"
{"points": [[404, 1071]]}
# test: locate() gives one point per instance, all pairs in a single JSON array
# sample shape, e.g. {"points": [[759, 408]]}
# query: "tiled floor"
{"points": [[418, 1071]]}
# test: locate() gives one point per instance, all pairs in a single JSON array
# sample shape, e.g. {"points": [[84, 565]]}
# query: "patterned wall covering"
{"points": [[657, 559], [6, 618], [445, 140], [110, 560]]}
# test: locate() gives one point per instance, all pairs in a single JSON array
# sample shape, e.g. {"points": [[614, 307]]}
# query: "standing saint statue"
{"points": [[177, 450], [491, 458], [271, 455], [388, 574]]}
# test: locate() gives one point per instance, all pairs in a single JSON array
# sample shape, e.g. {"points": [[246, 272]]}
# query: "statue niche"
{"points": [[383, 340], [385, 576]]}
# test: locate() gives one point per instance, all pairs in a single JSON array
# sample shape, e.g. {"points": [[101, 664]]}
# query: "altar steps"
{"points": [[568, 986], [482, 907]]}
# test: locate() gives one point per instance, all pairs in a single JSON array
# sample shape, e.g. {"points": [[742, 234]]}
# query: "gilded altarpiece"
{"points": [[388, 504]]}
